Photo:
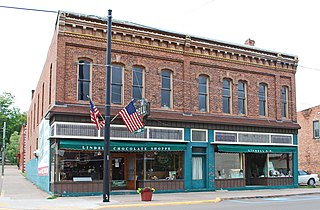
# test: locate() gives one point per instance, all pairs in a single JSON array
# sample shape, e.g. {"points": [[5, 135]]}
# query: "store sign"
{"points": [[140, 148], [84, 147], [260, 150]]}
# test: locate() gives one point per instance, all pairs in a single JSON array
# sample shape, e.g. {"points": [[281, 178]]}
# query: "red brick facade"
{"points": [[309, 146], [187, 57]]}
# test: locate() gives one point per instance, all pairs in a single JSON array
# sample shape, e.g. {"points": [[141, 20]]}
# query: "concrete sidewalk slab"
{"points": [[19, 193]]}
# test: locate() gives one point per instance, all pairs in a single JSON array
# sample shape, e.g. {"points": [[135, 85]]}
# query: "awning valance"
{"points": [[121, 146], [256, 149]]}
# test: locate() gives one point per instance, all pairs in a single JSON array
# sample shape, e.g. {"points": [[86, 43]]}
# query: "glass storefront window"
{"points": [[159, 165], [280, 165], [73, 164], [228, 165]]}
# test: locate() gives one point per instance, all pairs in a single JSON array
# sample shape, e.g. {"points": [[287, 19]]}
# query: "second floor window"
{"points": [[242, 100], [316, 129], [226, 96], [284, 101], [166, 89], [116, 84], [137, 83], [262, 100], [83, 79], [202, 93]]}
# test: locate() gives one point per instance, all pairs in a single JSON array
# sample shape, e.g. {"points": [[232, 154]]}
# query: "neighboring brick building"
{"points": [[309, 144], [222, 115], [22, 148]]}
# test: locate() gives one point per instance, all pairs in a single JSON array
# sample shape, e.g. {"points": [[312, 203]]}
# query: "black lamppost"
{"points": [[106, 155]]}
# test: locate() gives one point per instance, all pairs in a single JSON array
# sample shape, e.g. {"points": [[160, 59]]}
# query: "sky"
{"points": [[286, 26]]}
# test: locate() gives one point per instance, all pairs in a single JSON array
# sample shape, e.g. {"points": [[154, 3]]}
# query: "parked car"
{"points": [[305, 178]]}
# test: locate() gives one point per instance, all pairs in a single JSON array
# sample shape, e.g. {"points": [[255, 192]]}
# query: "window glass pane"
{"points": [[262, 108], [316, 129], [137, 92], [160, 165], [202, 84], [83, 90], [226, 92], [226, 84], [199, 135], [197, 168], [241, 109], [137, 76], [166, 82], [201, 150], [116, 94], [116, 74], [165, 98], [80, 164], [226, 105], [280, 165], [84, 70], [228, 166], [202, 103]]}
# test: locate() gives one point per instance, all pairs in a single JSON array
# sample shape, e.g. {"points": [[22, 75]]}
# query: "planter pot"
{"points": [[146, 196]]}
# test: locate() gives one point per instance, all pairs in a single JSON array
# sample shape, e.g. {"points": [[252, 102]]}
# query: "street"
{"points": [[307, 202]]}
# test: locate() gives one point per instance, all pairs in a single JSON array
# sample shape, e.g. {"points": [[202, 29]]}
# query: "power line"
{"points": [[28, 9]]}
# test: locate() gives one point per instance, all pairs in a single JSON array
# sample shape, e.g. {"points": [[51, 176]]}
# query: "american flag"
{"points": [[131, 118], [94, 114]]}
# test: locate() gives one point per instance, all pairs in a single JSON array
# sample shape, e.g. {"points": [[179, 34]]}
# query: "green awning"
{"points": [[121, 146], [256, 149]]}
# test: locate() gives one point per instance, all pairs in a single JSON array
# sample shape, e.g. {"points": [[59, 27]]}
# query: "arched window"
{"points": [[262, 99], [226, 96], [166, 89], [284, 101], [137, 83], [242, 97], [116, 84], [84, 79], [203, 93]]}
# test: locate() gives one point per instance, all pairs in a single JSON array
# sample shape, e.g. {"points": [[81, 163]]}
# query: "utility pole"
{"points": [[3, 146], [106, 155]]}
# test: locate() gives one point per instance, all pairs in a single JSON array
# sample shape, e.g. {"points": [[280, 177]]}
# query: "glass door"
{"points": [[118, 173], [198, 172]]}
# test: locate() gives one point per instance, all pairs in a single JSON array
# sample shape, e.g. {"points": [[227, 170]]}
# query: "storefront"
{"points": [[77, 166], [239, 166]]}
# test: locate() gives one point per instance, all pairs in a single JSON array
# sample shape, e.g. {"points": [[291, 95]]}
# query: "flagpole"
{"points": [[106, 155]]}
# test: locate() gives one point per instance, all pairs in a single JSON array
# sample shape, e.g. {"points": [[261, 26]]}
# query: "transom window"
{"points": [[137, 82], [84, 76], [316, 129], [116, 84], [166, 88], [262, 100], [203, 93], [199, 135], [226, 96], [284, 101], [242, 99]]}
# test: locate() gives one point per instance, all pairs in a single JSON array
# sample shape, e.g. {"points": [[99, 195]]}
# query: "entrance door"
{"points": [[119, 173], [198, 172], [255, 168]]}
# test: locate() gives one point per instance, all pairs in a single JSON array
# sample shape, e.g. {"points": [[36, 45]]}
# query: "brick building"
{"points": [[222, 115], [309, 145]]}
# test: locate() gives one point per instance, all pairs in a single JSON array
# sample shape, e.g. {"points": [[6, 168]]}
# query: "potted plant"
{"points": [[146, 193]]}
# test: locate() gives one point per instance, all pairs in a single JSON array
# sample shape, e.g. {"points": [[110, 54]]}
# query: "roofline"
{"points": [[200, 38]]}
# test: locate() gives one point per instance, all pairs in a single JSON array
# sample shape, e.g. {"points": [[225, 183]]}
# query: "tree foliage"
{"points": [[11, 115], [12, 148]]}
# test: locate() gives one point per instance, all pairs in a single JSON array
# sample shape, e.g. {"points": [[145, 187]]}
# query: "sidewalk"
{"points": [[19, 193]]}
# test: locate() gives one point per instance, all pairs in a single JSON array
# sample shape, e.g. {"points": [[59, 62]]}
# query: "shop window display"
{"points": [[75, 164], [280, 165], [159, 166], [228, 165]]}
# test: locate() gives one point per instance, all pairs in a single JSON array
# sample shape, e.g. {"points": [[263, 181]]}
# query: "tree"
{"points": [[11, 115], [12, 148]]}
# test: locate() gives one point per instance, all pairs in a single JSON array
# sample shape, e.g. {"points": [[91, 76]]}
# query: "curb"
{"points": [[160, 204]]}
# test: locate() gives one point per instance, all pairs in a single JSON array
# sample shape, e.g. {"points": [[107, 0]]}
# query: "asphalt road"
{"points": [[307, 202]]}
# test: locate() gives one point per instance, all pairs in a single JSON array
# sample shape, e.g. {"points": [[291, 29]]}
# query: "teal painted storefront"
{"points": [[43, 182]]}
